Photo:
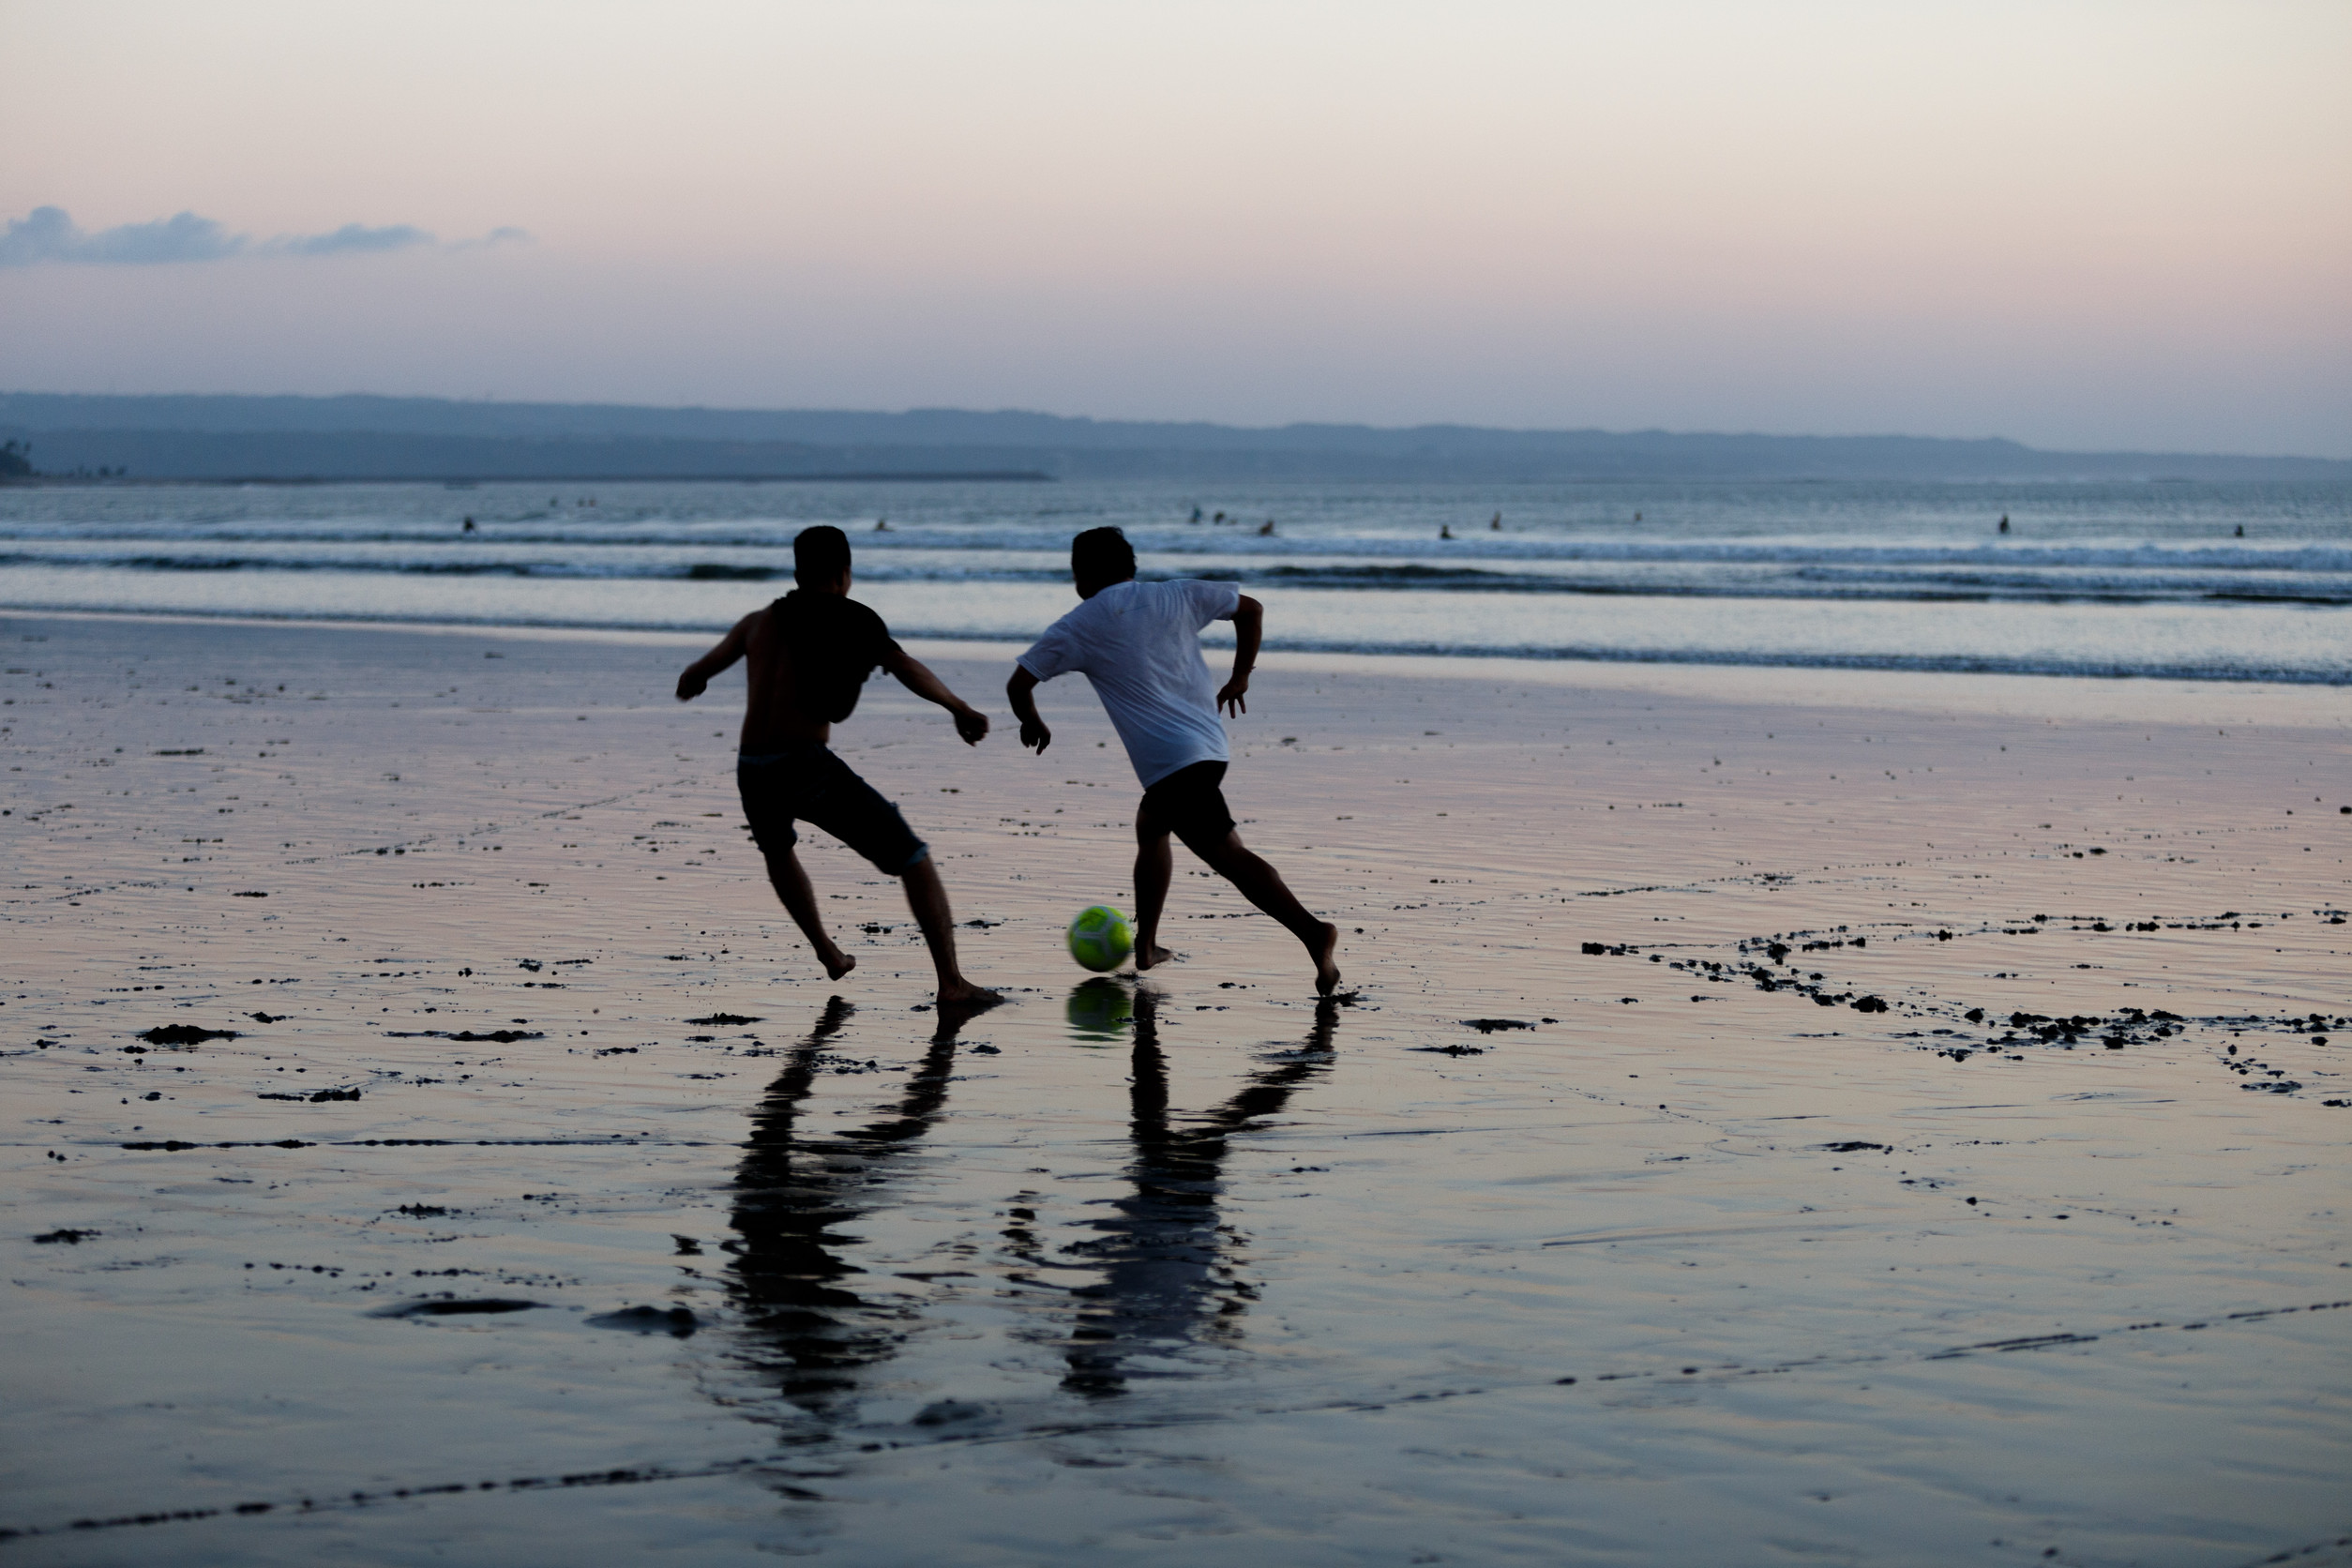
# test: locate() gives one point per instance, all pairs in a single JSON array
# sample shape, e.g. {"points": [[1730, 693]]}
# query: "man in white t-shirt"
{"points": [[1140, 644]]}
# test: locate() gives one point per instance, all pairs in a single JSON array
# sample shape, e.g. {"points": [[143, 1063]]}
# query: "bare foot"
{"points": [[1152, 958], [837, 964], [1326, 966], [966, 995]]}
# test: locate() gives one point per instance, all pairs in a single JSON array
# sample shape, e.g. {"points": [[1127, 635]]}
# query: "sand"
{"points": [[540, 1201]]}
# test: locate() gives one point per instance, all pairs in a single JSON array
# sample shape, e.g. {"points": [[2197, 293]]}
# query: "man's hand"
{"points": [[1020, 691], [972, 724], [696, 678], [1249, 621]]}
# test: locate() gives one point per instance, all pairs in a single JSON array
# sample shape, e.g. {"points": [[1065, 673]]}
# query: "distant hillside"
{"points": [[208, 436]]}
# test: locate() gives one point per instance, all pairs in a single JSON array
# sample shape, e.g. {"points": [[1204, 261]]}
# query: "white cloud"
{"points": [[49, 234]]}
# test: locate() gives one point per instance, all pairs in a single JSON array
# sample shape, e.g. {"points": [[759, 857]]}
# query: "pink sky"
{"points": [[2080, 225]]}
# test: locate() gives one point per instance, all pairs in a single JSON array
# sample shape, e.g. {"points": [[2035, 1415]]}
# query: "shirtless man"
{"points": [[1140, 644], [809, 654]]}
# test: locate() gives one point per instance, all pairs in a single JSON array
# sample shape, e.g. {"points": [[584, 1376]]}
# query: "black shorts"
{"points": [[808, 783], [1190, 803]]}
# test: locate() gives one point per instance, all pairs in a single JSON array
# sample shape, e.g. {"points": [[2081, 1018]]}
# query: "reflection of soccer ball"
{"points": [[1100, 937], [1099, 1009]]}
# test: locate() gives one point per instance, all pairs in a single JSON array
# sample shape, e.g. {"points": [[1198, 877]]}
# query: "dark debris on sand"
{"points": [[2116, 1031], [185, 1034], [447, 1307]]}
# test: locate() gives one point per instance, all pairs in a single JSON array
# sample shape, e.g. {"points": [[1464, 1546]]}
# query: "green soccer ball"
{"points": [[1100, 938]]}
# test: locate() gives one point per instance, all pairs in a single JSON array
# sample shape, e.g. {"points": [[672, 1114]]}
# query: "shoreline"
{"points": [[1664, 671]]}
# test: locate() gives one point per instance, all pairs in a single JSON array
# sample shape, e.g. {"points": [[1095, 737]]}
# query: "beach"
{"points": [[1851, 1115]]}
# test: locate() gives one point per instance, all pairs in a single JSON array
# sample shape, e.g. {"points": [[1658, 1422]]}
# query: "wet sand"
{"points": [[1857, 1118]]}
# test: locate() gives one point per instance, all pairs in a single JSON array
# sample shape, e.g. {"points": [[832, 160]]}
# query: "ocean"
{"points": [[2246, 581]]}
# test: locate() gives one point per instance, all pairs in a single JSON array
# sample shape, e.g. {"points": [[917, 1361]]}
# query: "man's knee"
{"points": [[1224, 855]]}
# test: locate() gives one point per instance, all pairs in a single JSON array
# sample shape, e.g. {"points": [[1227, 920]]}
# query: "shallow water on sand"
{"points": [[1523, 1251]]}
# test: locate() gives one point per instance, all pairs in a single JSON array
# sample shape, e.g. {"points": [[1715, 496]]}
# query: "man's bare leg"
{"points": [[927, 898], [1263, 885], [799, 902], [1153, 865]]}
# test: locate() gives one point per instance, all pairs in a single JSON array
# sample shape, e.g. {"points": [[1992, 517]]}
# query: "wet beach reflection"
{"points": [[1164, 1260], [1168, 1263], [807, 1333]]}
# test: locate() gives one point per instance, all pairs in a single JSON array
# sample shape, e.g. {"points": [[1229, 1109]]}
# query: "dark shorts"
{"points": [[808, 783], [1190, 803]]}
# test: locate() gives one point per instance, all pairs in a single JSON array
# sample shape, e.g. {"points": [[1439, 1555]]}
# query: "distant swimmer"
{"points": [[1267, 532], [1445, 530], [1496, 525], [809, 654], [2242, 530], [1636, 517], [2004, 522], [882, 525], [1195, 514], [469, 525], [1218, 518], [1139, 644]]}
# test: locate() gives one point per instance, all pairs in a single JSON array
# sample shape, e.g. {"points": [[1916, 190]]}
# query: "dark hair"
{"points": [[1100, 557], [820, 556]]}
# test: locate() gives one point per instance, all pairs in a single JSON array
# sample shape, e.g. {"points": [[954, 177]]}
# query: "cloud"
{"points": [[349, 237], [49, 234], [506, 234]]}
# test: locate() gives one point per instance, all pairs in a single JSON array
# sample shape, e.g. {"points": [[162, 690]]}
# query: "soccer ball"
{"points": [[1100, 937]]}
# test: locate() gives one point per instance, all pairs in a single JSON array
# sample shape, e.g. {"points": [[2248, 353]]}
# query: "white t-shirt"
{"points": [[1140, 644]]}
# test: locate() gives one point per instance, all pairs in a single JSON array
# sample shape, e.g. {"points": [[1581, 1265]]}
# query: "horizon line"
{"points": [[492, 401]]}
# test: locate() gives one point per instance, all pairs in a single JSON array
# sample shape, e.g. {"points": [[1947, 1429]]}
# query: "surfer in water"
{"points": [[807, 657]]}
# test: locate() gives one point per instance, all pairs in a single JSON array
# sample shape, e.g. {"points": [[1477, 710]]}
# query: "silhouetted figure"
{"points": [[1195, 514], [1267, 532], [469, 525], [805, 1329], [882, 525], [807, 658], [2242, 530], [1496, 525], [1162, 1249], [1445, 530], [1138, 646], [2004, 522]]}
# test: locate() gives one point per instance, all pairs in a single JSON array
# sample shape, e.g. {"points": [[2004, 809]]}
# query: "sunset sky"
{"points": [[2081, 225]]}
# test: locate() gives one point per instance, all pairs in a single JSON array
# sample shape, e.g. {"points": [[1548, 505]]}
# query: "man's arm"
{"points": [[1249, 624], [696, 678], [1016, 691], [970, 723]]}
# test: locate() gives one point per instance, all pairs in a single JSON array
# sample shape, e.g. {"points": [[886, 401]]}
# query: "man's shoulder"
{"points": [[831, 614], [1084, 612]]}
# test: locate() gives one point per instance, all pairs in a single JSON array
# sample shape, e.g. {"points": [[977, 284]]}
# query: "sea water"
{"points": [[2237, 581]]}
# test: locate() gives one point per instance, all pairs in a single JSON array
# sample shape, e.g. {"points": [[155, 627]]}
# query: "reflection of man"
{"points": [[811, 1334], [1160, 1253]]}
